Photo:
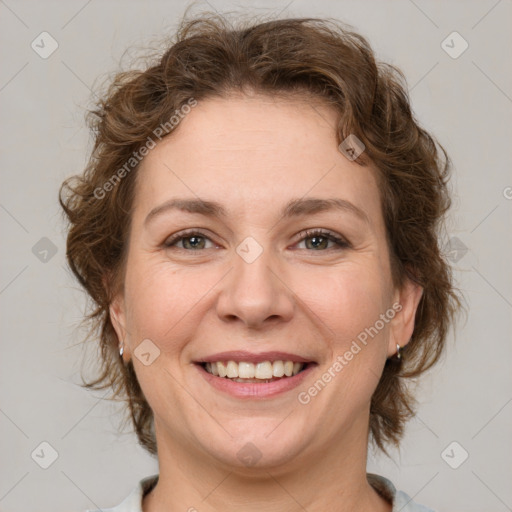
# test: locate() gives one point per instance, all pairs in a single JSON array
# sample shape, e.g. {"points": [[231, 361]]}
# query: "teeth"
{"points": [[245, 370], [258, 381], [263, 371], [221, 367], [278, 369], [232, 370], [288, 368]]}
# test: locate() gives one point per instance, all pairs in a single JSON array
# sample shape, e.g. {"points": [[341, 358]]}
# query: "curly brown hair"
{"points": [[326, 60]]}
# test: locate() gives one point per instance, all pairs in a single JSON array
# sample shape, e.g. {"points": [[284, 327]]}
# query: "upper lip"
{"points": [[251, 357]]}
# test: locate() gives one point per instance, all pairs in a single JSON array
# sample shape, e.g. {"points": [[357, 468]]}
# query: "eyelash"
{"points": [[309, 233]]}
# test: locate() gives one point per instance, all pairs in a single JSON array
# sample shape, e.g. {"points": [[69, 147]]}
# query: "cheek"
{"points": [[353, 307], [353, 299], [167, 304], [163, 301]]}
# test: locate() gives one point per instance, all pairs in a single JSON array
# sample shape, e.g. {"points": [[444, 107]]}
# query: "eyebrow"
{"points": [[294, 208]]}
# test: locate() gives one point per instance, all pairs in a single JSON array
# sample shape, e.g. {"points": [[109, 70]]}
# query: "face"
{"points": [[253, 234]]}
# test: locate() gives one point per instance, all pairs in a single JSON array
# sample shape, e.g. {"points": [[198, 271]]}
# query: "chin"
{"points": [[260, 445]]}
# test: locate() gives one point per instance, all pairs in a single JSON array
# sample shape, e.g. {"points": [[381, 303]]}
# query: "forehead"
{"points": [[288, 126], [256, 151]]}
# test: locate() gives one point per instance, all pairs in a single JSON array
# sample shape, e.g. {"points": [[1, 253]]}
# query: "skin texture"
{"points": [[253, 154]]}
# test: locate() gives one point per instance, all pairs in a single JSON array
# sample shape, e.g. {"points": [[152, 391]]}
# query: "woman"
{"points": [[258, 231]]}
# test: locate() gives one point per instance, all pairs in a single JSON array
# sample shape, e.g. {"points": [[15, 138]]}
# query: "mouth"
{"points": [[262, 372], [242, 374]]}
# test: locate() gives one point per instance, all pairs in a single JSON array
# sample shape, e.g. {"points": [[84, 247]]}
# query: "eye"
{"points": [[315, 239], [191, 240], [319, 240]]}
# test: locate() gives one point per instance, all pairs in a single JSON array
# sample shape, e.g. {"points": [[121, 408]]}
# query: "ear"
{"points": [[406, 303], [118, 319]]}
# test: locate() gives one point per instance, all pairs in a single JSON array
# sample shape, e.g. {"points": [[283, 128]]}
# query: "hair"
{"points": [[325, 60]]}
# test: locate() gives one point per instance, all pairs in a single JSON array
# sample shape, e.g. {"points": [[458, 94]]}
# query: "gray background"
{"points": [[466, 101]]}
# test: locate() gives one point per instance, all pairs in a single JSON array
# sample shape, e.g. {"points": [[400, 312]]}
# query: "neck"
{"points": [[335, 480]]}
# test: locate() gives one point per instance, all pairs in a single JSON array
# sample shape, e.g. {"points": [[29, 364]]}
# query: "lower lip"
{"points": [[253, 389]]}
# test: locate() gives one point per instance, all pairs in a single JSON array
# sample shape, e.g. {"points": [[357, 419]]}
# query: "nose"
{"points": [[255, 293]]}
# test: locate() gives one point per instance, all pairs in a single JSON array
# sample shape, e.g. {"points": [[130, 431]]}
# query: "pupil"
{"points": [[194, 241], [317, 241]]}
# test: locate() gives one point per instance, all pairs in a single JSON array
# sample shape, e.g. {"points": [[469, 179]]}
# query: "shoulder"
{"points": [[133, 502], [401, 501]]}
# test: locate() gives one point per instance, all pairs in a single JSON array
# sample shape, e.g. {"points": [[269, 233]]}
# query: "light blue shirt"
{"points": [[401, 501]]}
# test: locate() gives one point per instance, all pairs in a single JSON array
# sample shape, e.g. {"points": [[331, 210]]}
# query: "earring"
{"points": [[121, 349], [398, 353]]}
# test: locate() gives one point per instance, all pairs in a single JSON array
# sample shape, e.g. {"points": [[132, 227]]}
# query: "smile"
{"points": [[245, 375], [244, 371]]}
